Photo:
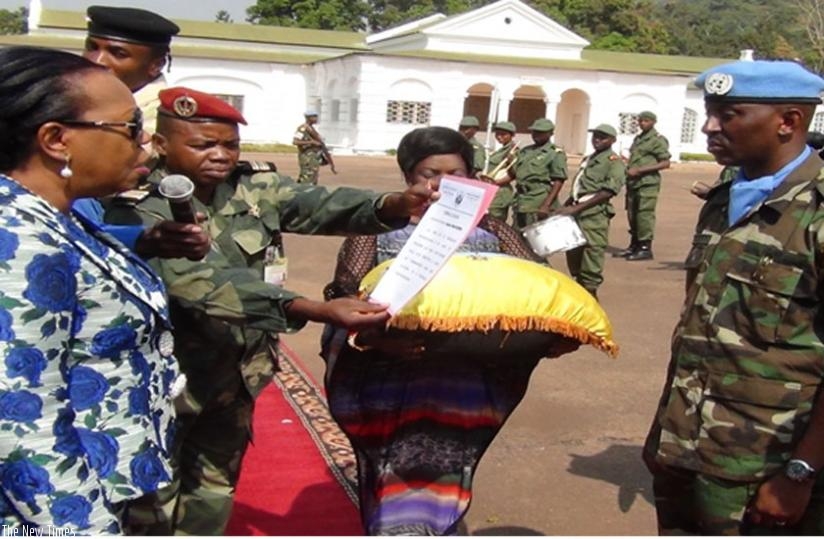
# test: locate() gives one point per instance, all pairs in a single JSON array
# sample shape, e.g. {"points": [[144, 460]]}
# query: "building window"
{"points": [[818, 122], [628, 123], [408, 112], [688, 125], [335, 112], [353, 111], [234, 100]]}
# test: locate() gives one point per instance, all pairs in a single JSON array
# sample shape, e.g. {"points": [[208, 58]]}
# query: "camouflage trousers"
{"points": [[687, 502], [499, 207], [209, 449], [640, 205], [586, 263], [309, 163]]}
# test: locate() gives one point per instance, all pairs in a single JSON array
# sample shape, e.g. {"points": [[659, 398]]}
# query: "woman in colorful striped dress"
{"points": [[418, 426]]}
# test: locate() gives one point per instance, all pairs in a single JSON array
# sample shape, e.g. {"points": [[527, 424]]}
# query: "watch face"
{"points": [[797, 470]]}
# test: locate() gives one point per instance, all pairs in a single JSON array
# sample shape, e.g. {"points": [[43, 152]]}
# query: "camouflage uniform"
{"points": [[499, 207], [227, 321], [642, 193], [747, 358], [603, 171], [479, 159], [536, 168], [309, 157]]}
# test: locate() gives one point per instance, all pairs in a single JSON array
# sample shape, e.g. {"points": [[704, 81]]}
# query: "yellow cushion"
{"points": [[486, 292]]}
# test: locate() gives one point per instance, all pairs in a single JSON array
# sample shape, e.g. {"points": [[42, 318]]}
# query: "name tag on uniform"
{"points": [[274, 266]]}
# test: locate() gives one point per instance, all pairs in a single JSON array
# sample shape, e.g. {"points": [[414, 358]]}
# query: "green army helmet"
{"points": [[606, 129], [542, 125], [505, 126], [469, 121]]}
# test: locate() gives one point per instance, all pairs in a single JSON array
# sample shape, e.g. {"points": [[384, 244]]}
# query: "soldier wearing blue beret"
{"points": [[736, 445]]}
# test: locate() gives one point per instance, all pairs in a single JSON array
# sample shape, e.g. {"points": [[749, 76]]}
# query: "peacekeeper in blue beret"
{"points": [[229, 308], [736, 445]]}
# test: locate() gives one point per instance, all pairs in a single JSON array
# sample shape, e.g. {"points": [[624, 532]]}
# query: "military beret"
{"points": [[761, 81], [542, 125], [130, 24], [605, 129], [469, 121], [647, 115], [505, 126], [193, 106], [310, 112]]}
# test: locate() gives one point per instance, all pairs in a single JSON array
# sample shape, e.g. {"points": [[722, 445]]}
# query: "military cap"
{"points": [[505, 126], [469, 121], [605, 129], [647, 115], [310, 112], [761, 81], [130, 24], [193, 106], [542, 125]]}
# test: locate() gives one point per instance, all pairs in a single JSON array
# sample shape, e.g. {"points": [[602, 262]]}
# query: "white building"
{"points": [[371, 89]]}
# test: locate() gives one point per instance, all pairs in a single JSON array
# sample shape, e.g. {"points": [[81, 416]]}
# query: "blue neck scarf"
{"points": [[746, 194]]}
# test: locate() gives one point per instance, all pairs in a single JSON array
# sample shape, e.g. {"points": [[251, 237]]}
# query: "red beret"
{"points": [[193, 106]]}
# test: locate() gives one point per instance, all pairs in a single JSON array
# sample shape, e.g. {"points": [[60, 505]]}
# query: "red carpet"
{"points": [[297, 477]]}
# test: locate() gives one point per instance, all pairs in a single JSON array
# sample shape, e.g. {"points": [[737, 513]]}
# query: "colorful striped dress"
{"points": [[418, 427]]}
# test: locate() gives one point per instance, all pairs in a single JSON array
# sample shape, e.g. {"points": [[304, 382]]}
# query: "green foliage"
{"points": [[223, 16], [14, 22], [267, 148], [685, 156], [318, 14]]}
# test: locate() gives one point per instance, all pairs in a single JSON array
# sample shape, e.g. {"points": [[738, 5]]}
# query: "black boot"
{"points": [[633, 246], [644, 251]]}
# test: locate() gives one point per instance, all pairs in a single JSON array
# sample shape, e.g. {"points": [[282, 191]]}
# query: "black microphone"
{"points": [[178, 190]]}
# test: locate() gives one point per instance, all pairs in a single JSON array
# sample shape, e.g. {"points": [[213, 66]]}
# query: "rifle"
{"points": [[325, 154], [501, 171]]}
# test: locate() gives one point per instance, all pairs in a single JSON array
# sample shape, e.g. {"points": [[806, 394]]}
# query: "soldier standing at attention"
{"points": [[134, 44], [229, 308], [736, 444], [600, 177], [469, 127], [648, 155], [539, 175], [310, 147], [499, 170]]}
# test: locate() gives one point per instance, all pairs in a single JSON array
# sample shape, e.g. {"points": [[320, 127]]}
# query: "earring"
{"points": [[66, 172]]}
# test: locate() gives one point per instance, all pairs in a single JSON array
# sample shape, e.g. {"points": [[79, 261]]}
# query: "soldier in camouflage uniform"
{"points": [[737, 441], [499, 170], [469, 128], [309, 149], [648, 155], [228, 308], [600, 177], [540, 172]]}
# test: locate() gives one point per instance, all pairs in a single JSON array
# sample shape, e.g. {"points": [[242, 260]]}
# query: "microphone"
{"points": [[178, 190]]}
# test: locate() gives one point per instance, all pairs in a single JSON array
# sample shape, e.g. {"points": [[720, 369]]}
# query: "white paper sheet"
{"points": [[444, 226]]}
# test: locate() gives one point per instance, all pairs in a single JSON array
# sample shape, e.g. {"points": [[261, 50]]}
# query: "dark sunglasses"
{"points": [[135, 126]]}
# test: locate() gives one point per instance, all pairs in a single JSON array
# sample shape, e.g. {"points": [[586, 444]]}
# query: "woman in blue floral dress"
{"points": [[86, 371]]}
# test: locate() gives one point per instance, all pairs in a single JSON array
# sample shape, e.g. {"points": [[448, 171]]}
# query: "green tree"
{"points": [[319, 14], [385, 14], [14, 22], [223, 16]]}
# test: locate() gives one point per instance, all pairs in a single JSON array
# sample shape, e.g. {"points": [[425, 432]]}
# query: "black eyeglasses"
{"points": [[135, 126]]}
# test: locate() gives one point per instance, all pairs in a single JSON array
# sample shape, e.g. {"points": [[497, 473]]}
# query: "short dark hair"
{"points": [[37, 85], [423, 142]]}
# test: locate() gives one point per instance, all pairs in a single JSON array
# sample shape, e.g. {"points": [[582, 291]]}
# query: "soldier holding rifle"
{"points": [[312, 151], [499, 170]]}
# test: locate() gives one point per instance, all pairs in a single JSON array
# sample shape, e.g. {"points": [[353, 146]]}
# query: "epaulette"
{"points": [[253, 167], [614, 157]]}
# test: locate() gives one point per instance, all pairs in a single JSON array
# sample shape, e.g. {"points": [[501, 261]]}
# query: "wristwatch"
{"points": [[798, 470]]}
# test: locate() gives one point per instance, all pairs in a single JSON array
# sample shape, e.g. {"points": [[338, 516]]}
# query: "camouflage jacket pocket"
{"points": [[763, 300]]}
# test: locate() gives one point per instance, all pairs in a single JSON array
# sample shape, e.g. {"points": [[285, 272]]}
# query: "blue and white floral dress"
{"points": [[86, 372]]}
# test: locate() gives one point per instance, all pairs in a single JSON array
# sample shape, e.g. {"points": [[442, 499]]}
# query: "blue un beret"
{"points": [[761, 81]]}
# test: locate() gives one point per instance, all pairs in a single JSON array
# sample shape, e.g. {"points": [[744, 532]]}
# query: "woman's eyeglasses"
{"points": [[135, 126]]}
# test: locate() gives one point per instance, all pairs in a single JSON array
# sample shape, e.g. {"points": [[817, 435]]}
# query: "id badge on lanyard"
{"points": [[275, 262]]}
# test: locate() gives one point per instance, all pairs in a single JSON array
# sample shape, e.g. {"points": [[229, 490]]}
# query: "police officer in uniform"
{"points": [[134, 44], [600, 177], [500, 171], [307, 139], [648, 155], [229, 308], [736, 444], [540, 172], [469, 128]]}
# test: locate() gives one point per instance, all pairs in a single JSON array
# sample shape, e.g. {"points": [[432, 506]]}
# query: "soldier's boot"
{"points": [[623, 253], [644, 251]]}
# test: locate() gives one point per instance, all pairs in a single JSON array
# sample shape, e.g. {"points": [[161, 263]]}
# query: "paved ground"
{"points": [[568, 460]]}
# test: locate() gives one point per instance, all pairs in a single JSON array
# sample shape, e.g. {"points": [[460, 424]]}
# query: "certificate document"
{"points": [[442, 229]]}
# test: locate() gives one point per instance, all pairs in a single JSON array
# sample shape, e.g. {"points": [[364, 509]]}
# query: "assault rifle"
{"points": [[325, 154]]}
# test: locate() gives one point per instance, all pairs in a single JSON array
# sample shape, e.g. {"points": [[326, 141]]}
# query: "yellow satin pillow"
{"points": [[484, 292]]}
